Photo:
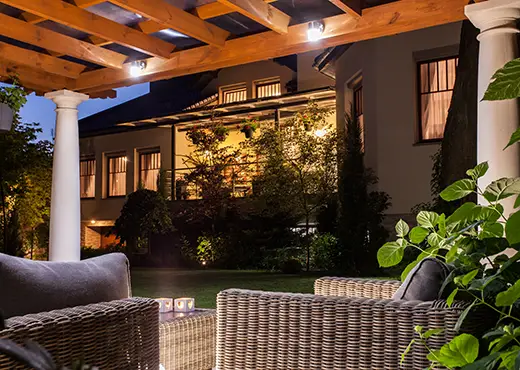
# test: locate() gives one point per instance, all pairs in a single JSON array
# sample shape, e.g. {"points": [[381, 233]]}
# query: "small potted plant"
{"points": [[12, 98], [220, 133], [248, 127]]}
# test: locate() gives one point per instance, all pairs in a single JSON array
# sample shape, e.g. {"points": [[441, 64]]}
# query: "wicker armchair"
{"points": [[348, 324], [120, 334]]}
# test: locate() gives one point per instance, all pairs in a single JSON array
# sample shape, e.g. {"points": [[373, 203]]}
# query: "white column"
{"points": [[497, 120], [65, 219]]}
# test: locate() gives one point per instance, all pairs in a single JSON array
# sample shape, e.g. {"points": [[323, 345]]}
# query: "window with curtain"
{"points": [[267, 89], [233, 94], [358, 111], [87, 178], [436, 82], [117, 176], [149, 167]]}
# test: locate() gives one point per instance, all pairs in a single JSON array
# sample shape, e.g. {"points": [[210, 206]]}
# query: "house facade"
{"points": [[389, 81]]}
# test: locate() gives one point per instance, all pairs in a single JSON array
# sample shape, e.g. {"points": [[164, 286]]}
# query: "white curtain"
{"points": [[150, 165], [117, 176], [437, 82], [87, 177]]}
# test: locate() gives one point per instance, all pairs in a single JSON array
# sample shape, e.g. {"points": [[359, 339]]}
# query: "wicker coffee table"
{"points": [[187, 341]]}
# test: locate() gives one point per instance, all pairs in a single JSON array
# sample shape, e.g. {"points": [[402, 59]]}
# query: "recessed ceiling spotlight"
{"points": [[315, 30], [137, 68]]}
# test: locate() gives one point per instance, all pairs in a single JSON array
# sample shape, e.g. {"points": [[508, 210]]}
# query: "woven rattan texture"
{"points": [[188, 343], [120, 334], [264, 330]]}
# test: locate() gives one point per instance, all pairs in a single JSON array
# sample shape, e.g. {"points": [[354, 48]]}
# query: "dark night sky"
{"points": [[41, 110]]}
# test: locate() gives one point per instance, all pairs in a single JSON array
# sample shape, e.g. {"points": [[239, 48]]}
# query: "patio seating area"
{"points": [[346, 324]]}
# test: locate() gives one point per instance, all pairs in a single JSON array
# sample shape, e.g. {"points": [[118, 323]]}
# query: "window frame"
{"points": [[88, 159], [108, 158], [155, 150], [265, 82], [242, 86], [419, 94]]}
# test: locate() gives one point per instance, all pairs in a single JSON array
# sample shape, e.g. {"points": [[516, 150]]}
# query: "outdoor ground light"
{"points": [[137, 68], [165, 304], [184, 305], [320, 132], [315, 30]]}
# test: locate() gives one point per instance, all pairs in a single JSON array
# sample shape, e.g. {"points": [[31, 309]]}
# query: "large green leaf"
{"points": [[418, 234], [459, 189], [485, 363], [502, 188], [466, 279], [515, 138], [491, 230], [390, 254], [509, 358], [509, 297], [506, 82], [479, 170], [461, 351], [402, 228], [451, 297], [513, 228], [427, 219]]}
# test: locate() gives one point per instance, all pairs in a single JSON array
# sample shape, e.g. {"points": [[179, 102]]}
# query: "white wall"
{"points": [[308, 77], [389, 69], [102, 207]]}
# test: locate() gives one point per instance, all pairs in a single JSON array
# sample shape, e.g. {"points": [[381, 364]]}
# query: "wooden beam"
{"points": [[148, 26], [260, 12], [352, 7], [35, 19], [177, 19], [36, 80], [39, 61], [108, 94], [215, 9], [50, 40], [384, 20], [72, 16]]}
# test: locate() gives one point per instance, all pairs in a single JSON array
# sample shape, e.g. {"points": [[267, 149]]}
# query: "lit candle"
{"points": [[165, 304], [184, 304]]}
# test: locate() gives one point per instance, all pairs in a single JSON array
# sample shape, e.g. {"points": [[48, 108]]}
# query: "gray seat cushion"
{"points": [[38, 286], [424, 281]]}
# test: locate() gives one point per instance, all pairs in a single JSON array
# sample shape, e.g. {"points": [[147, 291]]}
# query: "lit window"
{"points": [[266, 89], [436, 82], [149, 167], [117, 176], [87, 178], [233, 94]]}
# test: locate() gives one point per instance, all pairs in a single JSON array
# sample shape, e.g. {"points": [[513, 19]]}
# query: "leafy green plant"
{"points": [[472, 241], [14, 96]]}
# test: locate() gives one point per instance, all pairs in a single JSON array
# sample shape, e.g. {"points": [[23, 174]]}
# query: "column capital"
{"points": [[66, 98], [494, 15]]}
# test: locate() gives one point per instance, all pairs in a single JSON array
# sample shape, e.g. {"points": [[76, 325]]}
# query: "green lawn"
{"points": [[204, 285]]}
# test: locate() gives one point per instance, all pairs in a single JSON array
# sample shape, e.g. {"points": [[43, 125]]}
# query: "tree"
{"points": [[361, 210], [299, 174], [144, 214], [25, 180]]}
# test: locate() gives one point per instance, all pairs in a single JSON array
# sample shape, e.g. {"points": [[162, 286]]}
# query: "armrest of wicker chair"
{"points": [[265, 330], [355, 287], [111, 335]]}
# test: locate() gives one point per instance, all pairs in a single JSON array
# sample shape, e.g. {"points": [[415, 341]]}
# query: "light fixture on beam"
{"points": [[137, 68], [315, 30]]}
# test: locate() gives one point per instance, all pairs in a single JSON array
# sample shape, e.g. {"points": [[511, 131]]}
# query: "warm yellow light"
{"points": [[180, 304], [320, 132], [92, 222]]}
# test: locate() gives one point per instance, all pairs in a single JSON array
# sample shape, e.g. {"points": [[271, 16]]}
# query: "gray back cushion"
{"points": [[38, 286], [424, 281]]}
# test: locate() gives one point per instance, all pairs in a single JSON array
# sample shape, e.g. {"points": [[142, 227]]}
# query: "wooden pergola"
{"points": [[88, 46]]}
